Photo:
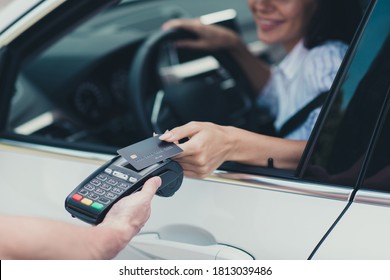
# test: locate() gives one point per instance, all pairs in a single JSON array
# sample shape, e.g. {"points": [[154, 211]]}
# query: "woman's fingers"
{"points": [[188, 24], [180, 132]]}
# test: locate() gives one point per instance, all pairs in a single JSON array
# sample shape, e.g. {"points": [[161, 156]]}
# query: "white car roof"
{"points": [[12, 10]]}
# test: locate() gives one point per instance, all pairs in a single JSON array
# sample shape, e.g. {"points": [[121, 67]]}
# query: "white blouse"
{"points": [[299, 78]]}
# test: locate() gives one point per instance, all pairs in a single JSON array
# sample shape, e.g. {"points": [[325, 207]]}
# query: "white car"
{"points": [[78, 81]]}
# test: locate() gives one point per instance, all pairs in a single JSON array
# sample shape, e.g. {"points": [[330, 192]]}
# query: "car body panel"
{"points": [[362, 233], [35, 184], [268, 219], [266, 224]]}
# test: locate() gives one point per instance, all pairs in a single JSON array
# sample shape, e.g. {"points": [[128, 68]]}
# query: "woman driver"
{"points": [[315, 35]]}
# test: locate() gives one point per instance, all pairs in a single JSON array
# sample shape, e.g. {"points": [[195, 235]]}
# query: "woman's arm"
{"points": [[210, 145], [257, 71], [256, 149]]}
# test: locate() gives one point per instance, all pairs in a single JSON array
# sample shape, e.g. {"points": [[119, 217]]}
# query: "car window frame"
{"points": [[12, 11], [337, 83], [39, 35], [380, 119]]}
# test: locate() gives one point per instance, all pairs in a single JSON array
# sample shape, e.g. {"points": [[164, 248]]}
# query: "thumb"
{"points": [[151, 186]]}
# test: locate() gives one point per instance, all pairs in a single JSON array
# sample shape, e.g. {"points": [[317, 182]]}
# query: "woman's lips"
{"points": [[268, 25]]}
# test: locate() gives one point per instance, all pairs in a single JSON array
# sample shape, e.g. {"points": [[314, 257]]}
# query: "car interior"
{"points": [[80, 89]]}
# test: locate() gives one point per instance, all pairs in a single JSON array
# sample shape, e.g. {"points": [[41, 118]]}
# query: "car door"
{"points": [[362, 231], [238, 212], [352, 147]]}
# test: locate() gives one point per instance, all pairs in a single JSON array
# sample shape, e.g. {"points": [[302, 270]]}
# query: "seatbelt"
{"points": [[301, 116]]}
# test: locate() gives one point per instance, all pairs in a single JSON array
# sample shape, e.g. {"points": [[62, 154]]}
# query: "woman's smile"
{"points": [[267, 25], [282, 22]]}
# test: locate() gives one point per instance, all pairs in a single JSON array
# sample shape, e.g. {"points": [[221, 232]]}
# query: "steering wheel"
{"points": [[188, 100]]}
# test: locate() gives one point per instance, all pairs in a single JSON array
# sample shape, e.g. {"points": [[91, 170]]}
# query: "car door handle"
{"points": [[152, 246]]}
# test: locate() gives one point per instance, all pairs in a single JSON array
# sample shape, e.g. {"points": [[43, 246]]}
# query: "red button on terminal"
{"points": [[77, 197]]}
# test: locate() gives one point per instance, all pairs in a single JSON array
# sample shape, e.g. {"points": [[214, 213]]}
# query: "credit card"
{"points": [[148, 152]]}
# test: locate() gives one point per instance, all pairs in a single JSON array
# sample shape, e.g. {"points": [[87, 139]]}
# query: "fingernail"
{"points": [[166, 135]]}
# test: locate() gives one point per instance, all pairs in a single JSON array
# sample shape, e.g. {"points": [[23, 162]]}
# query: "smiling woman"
{"points": [[315, 46]]}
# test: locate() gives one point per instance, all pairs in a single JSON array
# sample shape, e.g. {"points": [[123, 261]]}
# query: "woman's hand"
{"points": [[209, 145], [210, 37], [215, 37]]}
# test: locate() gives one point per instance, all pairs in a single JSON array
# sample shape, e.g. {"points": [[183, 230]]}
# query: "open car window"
{"points": [[74, 91]]}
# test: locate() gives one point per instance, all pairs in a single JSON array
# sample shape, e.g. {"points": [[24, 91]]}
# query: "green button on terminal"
{"points": [[97, 206]]}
